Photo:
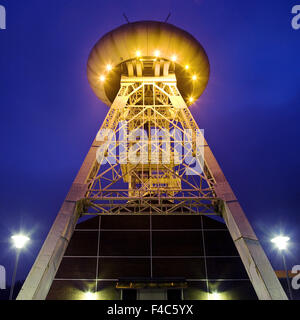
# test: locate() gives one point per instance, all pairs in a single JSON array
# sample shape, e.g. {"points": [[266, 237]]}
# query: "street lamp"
{"points": [[281, 243], [19, 241]]}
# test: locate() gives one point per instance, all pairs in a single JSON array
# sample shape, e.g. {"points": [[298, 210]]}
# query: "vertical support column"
{"points": [[257, 265], [42, 273]]}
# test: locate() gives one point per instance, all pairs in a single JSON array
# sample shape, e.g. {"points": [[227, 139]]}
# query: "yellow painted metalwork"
{"points": [[150, 39]]}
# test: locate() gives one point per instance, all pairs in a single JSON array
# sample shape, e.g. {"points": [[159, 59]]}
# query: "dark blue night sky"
{"points": [[49, 115]]}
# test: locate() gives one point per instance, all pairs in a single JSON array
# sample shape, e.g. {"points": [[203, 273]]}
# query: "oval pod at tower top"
{"points": [[145, 41]]}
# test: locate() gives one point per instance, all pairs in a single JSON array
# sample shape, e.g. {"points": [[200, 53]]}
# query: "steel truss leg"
{"points": [[39, 280], [257, 265], [41, 275]]}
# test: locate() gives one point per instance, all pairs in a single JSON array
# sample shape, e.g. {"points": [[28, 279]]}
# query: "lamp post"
{"points": [[19, 242], [281, 243]]}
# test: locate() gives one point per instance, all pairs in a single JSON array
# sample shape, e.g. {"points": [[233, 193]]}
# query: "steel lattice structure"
{"points": [[155, 187], [146, 172]]}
